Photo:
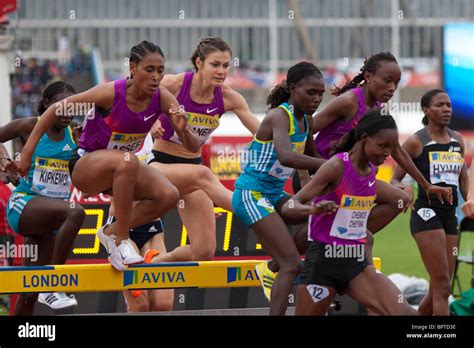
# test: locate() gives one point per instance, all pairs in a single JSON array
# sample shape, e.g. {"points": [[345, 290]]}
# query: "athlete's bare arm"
{"points": [[233, 101]]}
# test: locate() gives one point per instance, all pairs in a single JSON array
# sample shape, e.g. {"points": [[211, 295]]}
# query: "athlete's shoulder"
{"points": [[348, 96], [333, 166], [232, 98], [173, 82], [344, 105], [458, 136]]}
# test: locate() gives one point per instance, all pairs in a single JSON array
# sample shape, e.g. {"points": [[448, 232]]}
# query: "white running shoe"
{"points": [[57, 300], [107, 241], [109, 244], [129, 255]]}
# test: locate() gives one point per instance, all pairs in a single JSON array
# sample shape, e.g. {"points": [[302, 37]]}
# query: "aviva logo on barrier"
{"points": [[132, 277], [234, 274]]}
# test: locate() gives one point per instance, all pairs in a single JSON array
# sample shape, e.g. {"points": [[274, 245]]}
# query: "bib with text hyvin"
{"points": [[445, 167]]}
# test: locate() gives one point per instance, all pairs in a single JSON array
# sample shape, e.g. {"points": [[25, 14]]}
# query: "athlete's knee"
{"points": [[204, 252], [291, 266], [169, 196], [204, 176], [129, 164], [76, 215]]}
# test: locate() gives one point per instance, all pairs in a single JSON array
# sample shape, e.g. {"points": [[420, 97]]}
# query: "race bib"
{"points": [[51, 178], [445, 167], [126, 142], [202, 126], [351, 217], [317, 293], [280, 171], [426, 213]]}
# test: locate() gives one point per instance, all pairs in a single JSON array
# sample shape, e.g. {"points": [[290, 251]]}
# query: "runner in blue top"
{"points": [[39, 209], [282, 138]]}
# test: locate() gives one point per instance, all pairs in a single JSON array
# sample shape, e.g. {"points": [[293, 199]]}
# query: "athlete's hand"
{"points": [[177, 117], [441, 193], [323, 207], [408, 189], [468, 208], [23, 165], [76, 133], [5, 164], [157, 130]]}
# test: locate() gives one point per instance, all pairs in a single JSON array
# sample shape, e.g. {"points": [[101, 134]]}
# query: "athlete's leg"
{"points": [[313, 300], [433, 250], [44, 244], [154, 193], [391, 201], [300, 235], [378, 293], [271, 231], [159, 300], [197, 215], [191, 177], [156, 196], [140, 303], [42, 215], [111, 171], [426, 305]]}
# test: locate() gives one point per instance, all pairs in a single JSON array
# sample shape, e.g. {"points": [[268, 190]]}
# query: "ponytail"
{"points": [[278, 95]]}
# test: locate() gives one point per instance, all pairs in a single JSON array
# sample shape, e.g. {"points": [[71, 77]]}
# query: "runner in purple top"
{"points": [[376, 83], [327, 137], [335, 261], [104, 160], [205, 97]]}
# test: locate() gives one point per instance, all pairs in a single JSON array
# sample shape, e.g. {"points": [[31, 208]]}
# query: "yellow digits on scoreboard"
{"points": [[227, 229], [100, 220]]}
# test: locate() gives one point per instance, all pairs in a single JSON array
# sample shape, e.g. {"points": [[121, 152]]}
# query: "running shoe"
{"points": [[57, 300], [113, 255], [267, 277]]}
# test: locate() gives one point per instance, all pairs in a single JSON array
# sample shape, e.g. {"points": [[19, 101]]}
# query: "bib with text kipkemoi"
{"points": [[51, 178]]}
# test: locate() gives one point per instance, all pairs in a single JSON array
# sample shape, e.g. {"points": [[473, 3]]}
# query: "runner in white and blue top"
{"points": [[284, 134], [39, 208]]}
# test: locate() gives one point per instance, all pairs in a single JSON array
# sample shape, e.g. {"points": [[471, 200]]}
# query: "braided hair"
{"points": [[371, 65], [138, 52], [281, 92]]}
